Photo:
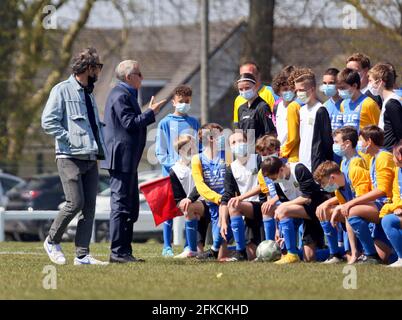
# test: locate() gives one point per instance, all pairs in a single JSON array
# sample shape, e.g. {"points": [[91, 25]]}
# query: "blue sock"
{"points": [[392, 228], [167, 233], [269, 228], [216, 236], [289, 233], [238, 232], [300, 235], [191, 234], [362, 232], [332, 236]]}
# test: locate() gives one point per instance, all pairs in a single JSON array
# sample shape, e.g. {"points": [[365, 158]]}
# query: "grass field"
{"points": [[21, 266]]}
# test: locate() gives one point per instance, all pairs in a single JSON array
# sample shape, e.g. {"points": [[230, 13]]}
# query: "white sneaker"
{"points": [[187, 253], [88, 259], [396, 264], [54, 252], [332, 260]]}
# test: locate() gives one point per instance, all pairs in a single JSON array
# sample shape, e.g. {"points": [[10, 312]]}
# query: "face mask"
{"points": [[337, 149], [247, 94], [221, 142], [345, 94], [331, 188], [328, 89], [274, 155], [288, 95], [375, 91], [263, 158], [360, 147], [239, 149], [183, 108], [303, 97]]}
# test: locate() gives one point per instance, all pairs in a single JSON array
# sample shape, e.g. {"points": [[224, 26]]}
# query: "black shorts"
{"points": [[254, 226], [203, 224], [312, 230]]}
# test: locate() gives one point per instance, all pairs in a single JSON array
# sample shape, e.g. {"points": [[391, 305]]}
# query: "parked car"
{"points": [[144, 228], [7, 182], [40, 192]]}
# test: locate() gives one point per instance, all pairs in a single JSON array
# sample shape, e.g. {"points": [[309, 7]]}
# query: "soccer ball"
{"points": [[268, 250]]}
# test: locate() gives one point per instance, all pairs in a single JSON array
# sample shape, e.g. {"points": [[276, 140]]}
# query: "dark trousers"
{"points": [[80, 185], [125, 206]]}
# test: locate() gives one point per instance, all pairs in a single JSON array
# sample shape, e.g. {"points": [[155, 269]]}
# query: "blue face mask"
{"points": [[337, 149], [239, 149], [221, 142], [331, 188], [360, 147], [345, 94], [328, 89], [288, 95], [247, 94], [183, 108]]}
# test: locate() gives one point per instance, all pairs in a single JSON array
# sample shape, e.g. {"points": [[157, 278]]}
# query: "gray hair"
{"points": [[124, 68]]}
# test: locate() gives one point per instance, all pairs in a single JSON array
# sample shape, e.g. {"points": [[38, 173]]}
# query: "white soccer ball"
{"points": [[268, 250]]}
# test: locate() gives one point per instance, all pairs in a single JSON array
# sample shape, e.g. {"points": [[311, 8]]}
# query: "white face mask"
{"points": [[375, 90], [303, 97], [183, 108]]}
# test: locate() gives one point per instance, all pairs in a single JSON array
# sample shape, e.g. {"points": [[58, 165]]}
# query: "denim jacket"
{"points": [[65, 117]]}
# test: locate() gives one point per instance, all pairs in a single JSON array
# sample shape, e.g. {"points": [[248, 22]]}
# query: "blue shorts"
{"points": [[377, 233]]}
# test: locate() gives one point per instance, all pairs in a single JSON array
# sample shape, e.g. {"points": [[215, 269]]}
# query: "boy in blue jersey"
{"points": [[350, 180], [208, 170], [363, 211], [169, 129], [333, 104]]}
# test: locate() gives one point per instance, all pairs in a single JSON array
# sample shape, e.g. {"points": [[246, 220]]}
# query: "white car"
{"points": [[144, 228]]}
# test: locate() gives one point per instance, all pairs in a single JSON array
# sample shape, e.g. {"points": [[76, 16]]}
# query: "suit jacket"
{"points": [[125, 130]]}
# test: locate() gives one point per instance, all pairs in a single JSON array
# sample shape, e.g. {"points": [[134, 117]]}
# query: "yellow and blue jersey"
{"points": [[357, 179], [382, 169], [335, 113], [266, 93], [209, 177], [360, 113], [396, 194]]}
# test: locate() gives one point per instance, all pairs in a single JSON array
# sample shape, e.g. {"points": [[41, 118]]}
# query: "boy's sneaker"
{"points": [[88, 259], [288, 258], [374, 259], [333, 259], [396, 264], [54, 252], [237, 256], [167, 252], [187, 253], [208, 255]]}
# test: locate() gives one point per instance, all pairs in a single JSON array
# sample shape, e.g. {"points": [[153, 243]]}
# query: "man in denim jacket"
{"points": [[71, 116]]}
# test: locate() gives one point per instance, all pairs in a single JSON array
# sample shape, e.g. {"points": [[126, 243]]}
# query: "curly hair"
{"points": [[301, 75], [83, 60], [183, 91]]}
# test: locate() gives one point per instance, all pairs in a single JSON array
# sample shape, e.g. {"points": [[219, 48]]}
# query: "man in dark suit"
{"points": [[125, 137]]}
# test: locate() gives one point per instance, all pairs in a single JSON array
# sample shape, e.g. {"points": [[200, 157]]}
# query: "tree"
{"points": [[258, 44]]}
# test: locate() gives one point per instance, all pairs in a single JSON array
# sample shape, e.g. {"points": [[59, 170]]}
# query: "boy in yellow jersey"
{"points": [[363, 212], [264, 91], [391, 213], [348, 181], [358, 109], [360, 63], [208, 171], [287, 117]]}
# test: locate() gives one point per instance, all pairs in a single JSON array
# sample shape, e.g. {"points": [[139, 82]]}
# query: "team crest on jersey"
{"points": [[296, 184]]}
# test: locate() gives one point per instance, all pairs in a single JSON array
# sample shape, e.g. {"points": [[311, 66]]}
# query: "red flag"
{"points": [[160, 198]]}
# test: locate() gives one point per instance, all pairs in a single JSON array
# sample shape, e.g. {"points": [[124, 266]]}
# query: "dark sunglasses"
{"points": [[100, 65]]}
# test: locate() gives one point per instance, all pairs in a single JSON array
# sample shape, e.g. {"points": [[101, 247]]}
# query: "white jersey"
{"points": [[183, 173], [282, 122], [291, 187], [307, 122], [246, 175]]}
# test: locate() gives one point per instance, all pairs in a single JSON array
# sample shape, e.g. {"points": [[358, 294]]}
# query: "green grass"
{"points": [[160, 278]]}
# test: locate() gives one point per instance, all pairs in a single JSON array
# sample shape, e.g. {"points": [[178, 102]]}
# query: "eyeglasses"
{"points": [[100, 65], [137, 73]]}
